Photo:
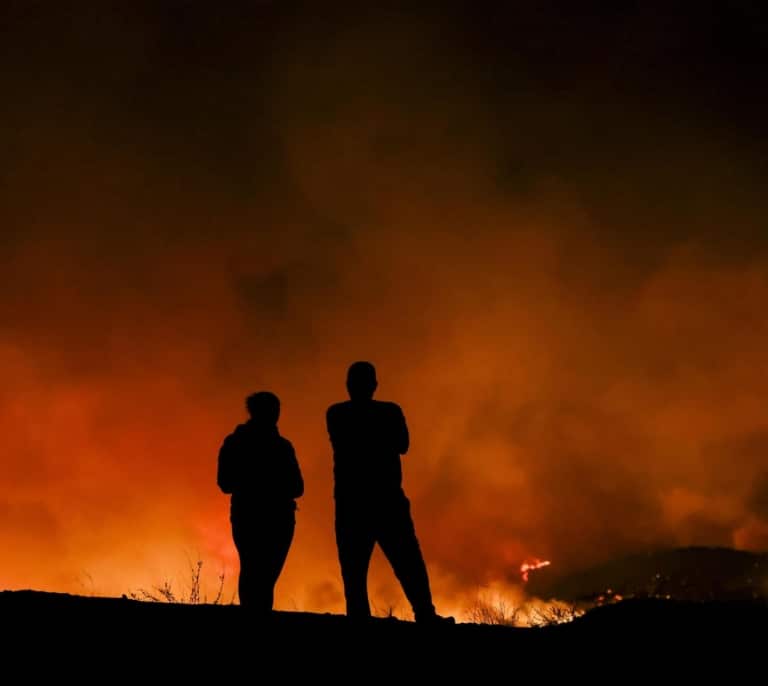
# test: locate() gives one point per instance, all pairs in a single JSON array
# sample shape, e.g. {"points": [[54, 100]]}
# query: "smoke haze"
{"points": [[548, 233]]}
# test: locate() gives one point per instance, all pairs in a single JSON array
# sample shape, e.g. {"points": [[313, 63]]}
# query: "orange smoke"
{"points": [[567, 298]]}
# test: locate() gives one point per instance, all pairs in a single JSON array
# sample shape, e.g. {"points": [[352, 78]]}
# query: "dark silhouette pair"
{"points": [[259, 468]]}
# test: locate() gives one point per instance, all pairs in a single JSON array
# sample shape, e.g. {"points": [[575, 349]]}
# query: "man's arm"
{"points": [[330, 424], [400, 433], [295, 480]]}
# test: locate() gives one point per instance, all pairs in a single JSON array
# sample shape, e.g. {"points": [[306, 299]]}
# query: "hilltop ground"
{"points": [[196, 638]]}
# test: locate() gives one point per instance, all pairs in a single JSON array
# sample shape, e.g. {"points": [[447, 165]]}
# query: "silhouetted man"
{"points": [[368, 438], [259, 468]]}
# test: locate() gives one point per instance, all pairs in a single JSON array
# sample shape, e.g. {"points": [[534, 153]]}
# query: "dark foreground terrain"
{"points": [[108, 638]]}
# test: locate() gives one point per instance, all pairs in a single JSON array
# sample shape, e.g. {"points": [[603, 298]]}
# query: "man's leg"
{"points": [[397, 538], [354, 541]]}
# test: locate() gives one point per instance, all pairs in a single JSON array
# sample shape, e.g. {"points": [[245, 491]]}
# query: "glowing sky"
{"points": [[546, 229]]}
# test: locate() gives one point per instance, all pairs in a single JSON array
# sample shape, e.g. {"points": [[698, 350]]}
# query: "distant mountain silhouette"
{"points": [[694, 574]]}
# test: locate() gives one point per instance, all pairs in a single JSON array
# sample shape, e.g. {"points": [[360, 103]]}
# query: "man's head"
{"points": [[361, 381], [264, 407]]}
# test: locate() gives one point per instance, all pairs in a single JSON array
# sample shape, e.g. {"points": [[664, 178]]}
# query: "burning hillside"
{"points": [[699, 574]]}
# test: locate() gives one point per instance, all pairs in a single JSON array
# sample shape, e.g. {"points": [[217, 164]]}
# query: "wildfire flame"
{"points": [[528, 566]]}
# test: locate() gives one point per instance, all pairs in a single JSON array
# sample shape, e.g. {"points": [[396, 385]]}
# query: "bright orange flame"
{"points": [[529, 566]]}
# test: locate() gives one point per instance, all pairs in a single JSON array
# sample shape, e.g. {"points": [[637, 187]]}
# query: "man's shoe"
{"points": [[434, 619]]}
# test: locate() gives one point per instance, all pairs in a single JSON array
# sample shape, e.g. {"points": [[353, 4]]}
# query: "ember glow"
{"points": [[544, 231]]}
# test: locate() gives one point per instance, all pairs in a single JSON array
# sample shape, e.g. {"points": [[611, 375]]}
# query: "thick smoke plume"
{"points": [[561, 277]]}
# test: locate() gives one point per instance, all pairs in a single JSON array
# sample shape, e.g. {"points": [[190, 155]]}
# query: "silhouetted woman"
{"points": [[259, 468]]}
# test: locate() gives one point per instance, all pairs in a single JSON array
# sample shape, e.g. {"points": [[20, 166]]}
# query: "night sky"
{"points": [[544, 223]]}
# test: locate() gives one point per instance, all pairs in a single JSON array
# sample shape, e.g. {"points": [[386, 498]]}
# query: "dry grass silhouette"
{"points": [[498, 611], [193, 595], [553, 613]]}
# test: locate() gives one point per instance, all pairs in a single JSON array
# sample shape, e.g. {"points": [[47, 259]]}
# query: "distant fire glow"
{"points": [[527, 567]]}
